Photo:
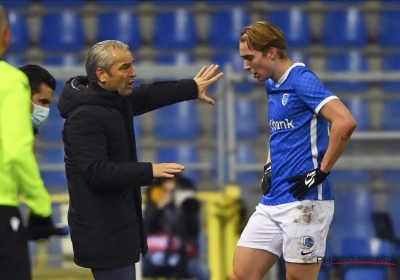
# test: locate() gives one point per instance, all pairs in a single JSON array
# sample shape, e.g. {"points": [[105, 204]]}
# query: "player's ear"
{"points": [[272, 53]]}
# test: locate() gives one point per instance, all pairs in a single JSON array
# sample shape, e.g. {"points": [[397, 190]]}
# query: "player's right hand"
{"points": [[266, 179], [167, 170]]}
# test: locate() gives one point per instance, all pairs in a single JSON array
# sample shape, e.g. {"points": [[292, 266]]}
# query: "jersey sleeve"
{"points": [[17, 146], [311, 91]]}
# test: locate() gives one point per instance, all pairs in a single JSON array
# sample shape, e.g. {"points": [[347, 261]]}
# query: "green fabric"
{"points": [[19, 172]]}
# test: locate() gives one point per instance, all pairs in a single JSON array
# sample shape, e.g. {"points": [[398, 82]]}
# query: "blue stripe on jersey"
{"points": [[299, 135]]}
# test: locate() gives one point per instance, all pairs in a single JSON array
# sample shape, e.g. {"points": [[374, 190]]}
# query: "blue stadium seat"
{"points": [[173, 2], [246, 119], [66, 60], [177, 58], [358, 273], [62, 3], [53, 180], [360, 110], [178, 122], [50, 131], [390, 63], [353, 208], [296, 56], [14, 60], [224, 2], [123, 26], [389, 31], [59, 87], [359, 247], [175, 30], [348, 2], [225, 28], [351, 177], [347, 62], [391, 116], [138, 126], [118, 2], [294, 23], [392, 177], [182, 154], [295, 2], [62, 32], [246, 155], [19, 32], [236, 62], [52, 156], [344, 28], [393, 208], [323, 274], [16, 4]]}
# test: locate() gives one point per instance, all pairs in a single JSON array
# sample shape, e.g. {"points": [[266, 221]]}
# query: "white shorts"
{"points": [[299, 229]]}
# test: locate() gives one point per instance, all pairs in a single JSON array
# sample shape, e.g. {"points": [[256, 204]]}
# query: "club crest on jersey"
{"points": [[285, 99], [308, 242]]}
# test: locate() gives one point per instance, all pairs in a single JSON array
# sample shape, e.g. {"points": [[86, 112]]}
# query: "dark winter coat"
{"points": [[104, 177]]}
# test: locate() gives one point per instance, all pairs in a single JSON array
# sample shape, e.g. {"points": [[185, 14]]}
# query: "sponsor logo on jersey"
{"points": [[278, 125], [285, 99]]}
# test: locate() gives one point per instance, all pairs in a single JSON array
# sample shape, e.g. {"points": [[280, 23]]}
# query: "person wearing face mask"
{"points": [[19, 172], [42, 85]]}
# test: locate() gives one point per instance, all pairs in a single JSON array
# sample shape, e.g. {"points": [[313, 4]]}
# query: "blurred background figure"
{"points": [[172, 217]]}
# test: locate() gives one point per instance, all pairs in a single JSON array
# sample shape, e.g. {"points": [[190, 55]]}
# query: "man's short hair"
{"points": [[37, 75], [100, 56]]}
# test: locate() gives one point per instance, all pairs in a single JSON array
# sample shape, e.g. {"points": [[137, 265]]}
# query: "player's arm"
{"points": [[17, 146], [343, 125]]}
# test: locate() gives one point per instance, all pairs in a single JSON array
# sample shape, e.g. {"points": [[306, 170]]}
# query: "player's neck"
{"points": [[282, 66]]}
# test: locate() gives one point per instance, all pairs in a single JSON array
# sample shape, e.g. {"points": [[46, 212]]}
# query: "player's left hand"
{"points": [[204, 79], [306, 182]]}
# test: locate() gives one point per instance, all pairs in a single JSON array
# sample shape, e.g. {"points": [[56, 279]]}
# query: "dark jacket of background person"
{"points": [[179, 223], [104, 177]]}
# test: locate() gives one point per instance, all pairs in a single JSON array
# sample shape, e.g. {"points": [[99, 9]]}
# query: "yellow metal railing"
{"points": [[221, 210]]}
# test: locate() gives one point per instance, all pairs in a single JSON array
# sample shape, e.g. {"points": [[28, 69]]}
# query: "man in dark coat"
{"points": [[104, 177]]}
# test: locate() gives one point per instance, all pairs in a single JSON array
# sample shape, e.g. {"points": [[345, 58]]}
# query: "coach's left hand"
{"points": [[204, 79], [306, 182]]}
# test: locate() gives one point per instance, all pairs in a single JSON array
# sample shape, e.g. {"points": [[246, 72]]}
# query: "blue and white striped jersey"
{"points": [[299, 134]]}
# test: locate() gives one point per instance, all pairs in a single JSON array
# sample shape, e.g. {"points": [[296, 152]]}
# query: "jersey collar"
{"points": [[284, 76]]}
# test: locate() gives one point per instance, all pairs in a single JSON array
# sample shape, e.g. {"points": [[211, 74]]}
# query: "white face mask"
{"points": [[39, 115]]}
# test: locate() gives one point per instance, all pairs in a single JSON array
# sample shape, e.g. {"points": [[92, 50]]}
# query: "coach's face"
{"points": [[121, 75], [256, 62]]}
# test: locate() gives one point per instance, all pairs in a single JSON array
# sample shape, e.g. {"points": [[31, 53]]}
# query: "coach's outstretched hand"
{"points": [[167, 170], [306, 181], [204, 79]]}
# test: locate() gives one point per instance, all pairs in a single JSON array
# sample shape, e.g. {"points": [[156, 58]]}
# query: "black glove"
{"points": [[306, 181], [43, 228], [266, 179]]}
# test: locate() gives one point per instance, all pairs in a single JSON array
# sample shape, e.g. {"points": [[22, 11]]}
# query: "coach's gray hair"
{"points": [[100, 56]]}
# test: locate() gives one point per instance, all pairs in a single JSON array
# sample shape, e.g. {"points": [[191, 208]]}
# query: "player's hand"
{"points": [[167, 170], [266, 179], [306, 182], [204, 79]]}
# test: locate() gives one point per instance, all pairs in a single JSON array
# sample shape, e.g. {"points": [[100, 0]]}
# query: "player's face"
{"points": [[122, 74], [44, 97], [256, 62]]}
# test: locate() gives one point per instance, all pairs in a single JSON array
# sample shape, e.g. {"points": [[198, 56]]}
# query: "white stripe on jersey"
{"points": [[323, 102], [314, 149]]}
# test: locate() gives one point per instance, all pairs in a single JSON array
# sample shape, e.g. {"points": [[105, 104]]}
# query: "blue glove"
{"points": [[266, 179], [306, 182]]}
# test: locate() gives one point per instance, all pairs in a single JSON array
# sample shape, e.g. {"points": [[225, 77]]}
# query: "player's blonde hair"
{"points": [[100, 56], [263, 35]]}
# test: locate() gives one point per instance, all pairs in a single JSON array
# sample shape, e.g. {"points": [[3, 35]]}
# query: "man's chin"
{"points": [[125, 92]]}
